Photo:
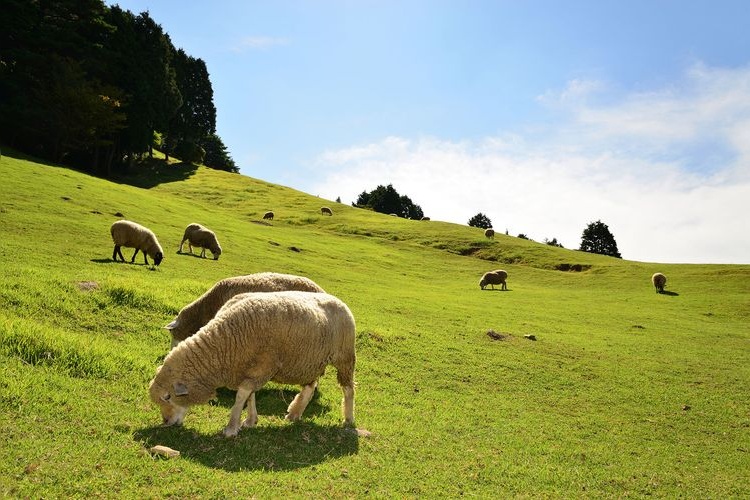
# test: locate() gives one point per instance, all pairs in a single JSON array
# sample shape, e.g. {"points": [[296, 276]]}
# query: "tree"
{"points": [[480, 220], [596, 238], [386, 200], [553, 243], [217, 155]]}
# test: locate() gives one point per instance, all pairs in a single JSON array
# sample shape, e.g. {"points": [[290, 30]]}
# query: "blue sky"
{"points": [[544, 115]]}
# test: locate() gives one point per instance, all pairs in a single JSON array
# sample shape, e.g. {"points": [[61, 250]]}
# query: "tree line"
{"points": [[98, 86]]}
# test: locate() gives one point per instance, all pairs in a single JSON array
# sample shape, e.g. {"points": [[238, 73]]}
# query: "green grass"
{"points": [[625, 392]]}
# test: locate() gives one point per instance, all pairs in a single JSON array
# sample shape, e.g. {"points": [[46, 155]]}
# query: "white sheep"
{"points": [[325, 211], [128, 234], [425, 218], [496, 277], [489, 233], [199, 312], [268, 215], [201, 237], [284, 337], [659, 280]]}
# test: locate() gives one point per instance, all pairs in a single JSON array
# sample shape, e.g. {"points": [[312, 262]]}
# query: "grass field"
{"points": [[625, 392]]}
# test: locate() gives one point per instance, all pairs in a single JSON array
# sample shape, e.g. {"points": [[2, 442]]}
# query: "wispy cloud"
{"points": [[668, 171], [259, 43]]}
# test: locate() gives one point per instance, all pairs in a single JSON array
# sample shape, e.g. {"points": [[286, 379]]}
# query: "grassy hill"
{"points": [[624, 393]]}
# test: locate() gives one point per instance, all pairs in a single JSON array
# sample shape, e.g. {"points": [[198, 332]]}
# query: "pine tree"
{"points": [[480, 220]]}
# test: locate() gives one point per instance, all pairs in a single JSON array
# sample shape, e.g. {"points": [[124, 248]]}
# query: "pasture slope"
{"points": [[625, 392]]}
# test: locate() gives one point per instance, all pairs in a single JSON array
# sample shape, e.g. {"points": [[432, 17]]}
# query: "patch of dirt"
{"points": [[87, 286], [498, 336]]}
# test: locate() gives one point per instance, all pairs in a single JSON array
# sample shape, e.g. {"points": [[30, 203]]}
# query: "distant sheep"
{"points": [[659, 280], [425, 218], [489, 233], [325, 211], [202, 237], [128, 234], [284, 337], [195, 315], [492, 278], [268, 215]]}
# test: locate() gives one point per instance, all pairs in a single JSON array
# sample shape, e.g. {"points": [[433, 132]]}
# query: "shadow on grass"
{"points": [[151, 172], [671, 294], [288, 446], [497, 290]]}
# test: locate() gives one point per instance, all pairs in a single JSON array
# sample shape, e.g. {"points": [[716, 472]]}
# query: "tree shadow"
{"points": [[151, 172], [671, 294]]}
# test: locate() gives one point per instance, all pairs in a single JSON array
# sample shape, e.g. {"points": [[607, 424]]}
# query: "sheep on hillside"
{"points": [[492, 278], [489, 233], [201, 237], [268, 215], [325, 211], [128, 234], [284, 337], [425, 218], [199, 312], [659, 280]]}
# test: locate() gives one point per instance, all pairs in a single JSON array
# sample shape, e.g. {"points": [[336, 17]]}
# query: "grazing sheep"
{"points": [[659, 280], [128, 234], [268, 215], [284, 337], [492, 278], [489, 233], [325, 211], [425, 218], [196, 314], [201, 237]]}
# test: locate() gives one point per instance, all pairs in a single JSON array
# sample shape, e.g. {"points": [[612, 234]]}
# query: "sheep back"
{"points": [[130, 234], [268, 215], [195, 315], [286, 337], [325, 211]]}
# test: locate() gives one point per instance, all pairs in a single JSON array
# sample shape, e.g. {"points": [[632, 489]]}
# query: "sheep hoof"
{"points": [[230, 431], [248, 422], [292, 417]]}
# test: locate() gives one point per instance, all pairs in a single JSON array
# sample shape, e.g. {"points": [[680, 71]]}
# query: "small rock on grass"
{"points": [[164, 451]]}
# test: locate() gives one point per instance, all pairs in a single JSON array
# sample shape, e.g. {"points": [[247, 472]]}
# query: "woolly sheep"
{"points": [[489, 233], [284, 337], [268, 215], [128, 234], [201, 237], [659, 280], [425, 218], [496, 277], [325, 211], [196, 314]]}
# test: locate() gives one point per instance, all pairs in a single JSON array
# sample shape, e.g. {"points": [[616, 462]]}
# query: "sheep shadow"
{"points": [[497, 290], [273, 401], [150, 265], [289, 446], [196, 255], [671, 294]]}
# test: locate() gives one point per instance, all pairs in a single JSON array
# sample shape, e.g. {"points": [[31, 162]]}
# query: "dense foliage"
{"points": [[480, 220], [386, 200], [597, 238], [87, 84]]}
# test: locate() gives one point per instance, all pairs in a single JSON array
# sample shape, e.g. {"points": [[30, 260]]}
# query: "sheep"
{"points": [[659, 280], [325, 211], [496, 277], [284, 337], [489, 233], [127, 233], [202, 237], [425, 218], [199, 312], [268, 215]]}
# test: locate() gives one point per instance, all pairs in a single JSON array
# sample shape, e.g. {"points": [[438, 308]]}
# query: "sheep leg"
{"points": [[117, 252], [252, 413], [203, 253], [345, 377], [133, 259], [181, 243], [244, 391], [299, 403], [190, 247]]}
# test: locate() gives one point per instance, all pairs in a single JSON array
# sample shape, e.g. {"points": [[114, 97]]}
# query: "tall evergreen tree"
{"points": [[480, 220], [217, 155], [597, 238]]}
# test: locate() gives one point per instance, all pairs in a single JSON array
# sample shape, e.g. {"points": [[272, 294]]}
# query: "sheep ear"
{"points": [[172, 325], [180, 389]]}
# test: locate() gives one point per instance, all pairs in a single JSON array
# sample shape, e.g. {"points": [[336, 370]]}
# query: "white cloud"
{"points": [[647, 166], [259, 43]]}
